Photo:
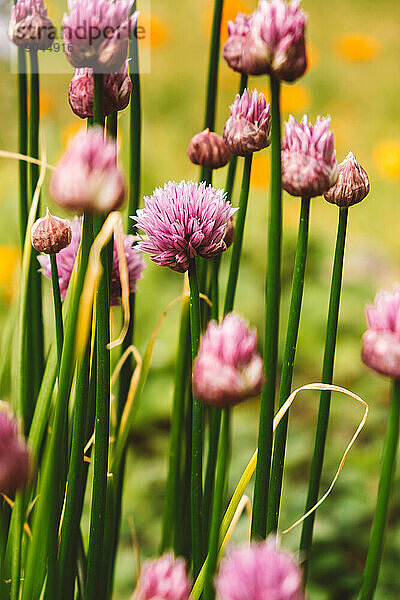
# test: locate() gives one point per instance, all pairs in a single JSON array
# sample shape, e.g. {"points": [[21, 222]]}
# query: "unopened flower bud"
{"points": [[209, 150], [309, 166], [30, 27], [228, 368], [229, 233], [163, 579], [116, 92], [276, 42], [248, 128], [87, 178], [381, 342], [50, 234], [238, 31], [15, 461], [352, 184]]}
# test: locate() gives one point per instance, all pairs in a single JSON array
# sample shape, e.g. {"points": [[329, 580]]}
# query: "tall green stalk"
{"points": [[238, 240], [278, 459], [197, 432], [325, 397], [102, 419], [271, 332], [22, 143], [57, 307], [182, 370], [222, 461], [377, 538]]}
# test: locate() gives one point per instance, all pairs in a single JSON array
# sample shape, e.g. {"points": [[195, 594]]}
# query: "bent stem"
{"points": [[197, 432], [271, 331], [325, 397], [238, 240], [278, 459], [375, 548]]}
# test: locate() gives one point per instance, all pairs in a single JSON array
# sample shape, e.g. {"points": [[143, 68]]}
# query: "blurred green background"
{"points": [[354, 51]]}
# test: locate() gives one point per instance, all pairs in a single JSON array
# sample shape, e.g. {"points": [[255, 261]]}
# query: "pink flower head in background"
{"points": [[87, 177], [309, 166], [381, 342], [238, 30], [259, 571], [276, 41], [228, 368], [184, 220], [96, 33], [116, 93], [163, 579], [30, 26], [15, 461], [352, 185], [66, 260], [208, 149], [248, 128]]}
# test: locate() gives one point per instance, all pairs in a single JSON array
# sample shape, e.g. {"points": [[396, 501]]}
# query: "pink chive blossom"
{"points": [[208, 149], [96, 33], [248, 128], [163, 579], [87, 177], [15, 461], [309, 166], [381, 342], [238, 30], [259, 571], [116, 92], [30, 26], [352, 185], [66, 260], [228, 368], [184, 220], [276, 41]]}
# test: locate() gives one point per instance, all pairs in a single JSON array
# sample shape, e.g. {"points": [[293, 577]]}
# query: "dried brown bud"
{"points": [[352, 184], [209, 150], [50, 234], [229, 234]]}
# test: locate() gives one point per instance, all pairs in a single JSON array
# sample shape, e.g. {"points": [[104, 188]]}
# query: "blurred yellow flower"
{"points": [[312, 55], [9, 263], [260, 170], [154, 32], [71, 129], [387, 158], [357, 47], [46, 103], [295, 98]]}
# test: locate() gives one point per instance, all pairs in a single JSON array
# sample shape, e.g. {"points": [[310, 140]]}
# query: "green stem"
{"points": [[278, 459], [22, 143], [222, 460], [100, 461], [197, 432], [112, 125], [98, 109], [35, 338], [182, 370], [135, 132], [375, 548], [325, 397], [238, 240], [57, 306], [271, 332], [17, 547]]}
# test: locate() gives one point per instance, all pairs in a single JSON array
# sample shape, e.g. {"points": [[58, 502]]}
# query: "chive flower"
{"points": [[309, 166], [87, 178], [259, 571], [238, 30], [228, 368], [209, 150], [183, 220], [66, 260], [163, 579], [117, 89], [248, 128], [352, 184], [30, 26], [275, 44], [15, 460], [381, 342], [96, 33]]}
